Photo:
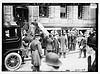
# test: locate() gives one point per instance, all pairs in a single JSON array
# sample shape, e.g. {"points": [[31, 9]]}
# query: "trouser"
{"points": [[57, 50], [70, 46], [23, 59], [89, 64], [73, 46], [50, 51], [84, 51], [45, 51], [26, 52], [36, 68]]}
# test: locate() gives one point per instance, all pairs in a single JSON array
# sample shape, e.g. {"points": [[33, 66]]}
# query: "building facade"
{"points": [[62, 15]]}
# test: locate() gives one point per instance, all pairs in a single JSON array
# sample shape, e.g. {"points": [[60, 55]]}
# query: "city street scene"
{"points": [[49, 37]]}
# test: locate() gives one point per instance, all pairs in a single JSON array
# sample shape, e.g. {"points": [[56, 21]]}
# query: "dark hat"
{"points": [[92, 42], [32, 22], [52, 59]]}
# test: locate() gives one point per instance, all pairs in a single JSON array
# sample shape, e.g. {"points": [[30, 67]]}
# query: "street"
{"points": [[70, 63], [30, 30]]}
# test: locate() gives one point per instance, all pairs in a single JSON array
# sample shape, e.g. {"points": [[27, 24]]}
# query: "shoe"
{"points": [[23, 62], [26, 56]]}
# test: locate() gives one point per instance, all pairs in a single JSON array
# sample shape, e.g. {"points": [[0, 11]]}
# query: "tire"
{"points": [[13, 61]]}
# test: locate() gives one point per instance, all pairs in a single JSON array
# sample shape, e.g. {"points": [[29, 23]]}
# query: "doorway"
{"points": [[21, 15]]}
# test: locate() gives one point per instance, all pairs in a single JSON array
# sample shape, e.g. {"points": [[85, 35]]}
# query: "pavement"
{"points": [[70, 63]]}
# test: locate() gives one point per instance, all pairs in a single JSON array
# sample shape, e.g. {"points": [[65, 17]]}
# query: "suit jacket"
{"points": [[92, 67], [49, 44], [83, 43], [56, 44]]}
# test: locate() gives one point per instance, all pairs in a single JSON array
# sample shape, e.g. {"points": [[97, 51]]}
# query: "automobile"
{"points": [[12, 51]]}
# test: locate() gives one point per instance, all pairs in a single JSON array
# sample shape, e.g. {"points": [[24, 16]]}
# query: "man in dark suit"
{"points": [[93, 51], [56, 44], [82, 46]]}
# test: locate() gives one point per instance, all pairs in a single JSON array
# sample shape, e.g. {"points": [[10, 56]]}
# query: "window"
{"points": [[43, 11], [11, 33], [80, 11], [20, 13], [63, 11]]}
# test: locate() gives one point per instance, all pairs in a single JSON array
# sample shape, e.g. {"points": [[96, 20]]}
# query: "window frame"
{"points": [[47, 11], [13, 37], [80, 11], [63, 13]]}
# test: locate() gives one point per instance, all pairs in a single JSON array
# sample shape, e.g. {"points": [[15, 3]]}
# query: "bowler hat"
{"points": [[52, 59]]}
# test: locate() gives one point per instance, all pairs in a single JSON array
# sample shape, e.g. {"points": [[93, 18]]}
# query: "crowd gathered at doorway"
{"points": [[54, 46]]}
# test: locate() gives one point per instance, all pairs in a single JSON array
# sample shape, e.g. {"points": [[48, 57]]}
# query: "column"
{"points": [[70, 10], [57, 12], [33, 13], [75, 12], [86, 12], [51, 11], [8, 13]]}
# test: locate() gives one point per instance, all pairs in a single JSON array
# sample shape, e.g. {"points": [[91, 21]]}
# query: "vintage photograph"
{"points": [[49, 37]]}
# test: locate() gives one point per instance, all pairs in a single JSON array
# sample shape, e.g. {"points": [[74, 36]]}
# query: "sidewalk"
{"points": [[70, 63], [73, 63]]}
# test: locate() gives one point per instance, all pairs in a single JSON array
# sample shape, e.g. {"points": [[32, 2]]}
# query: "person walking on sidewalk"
{"points": [[36, 53]]}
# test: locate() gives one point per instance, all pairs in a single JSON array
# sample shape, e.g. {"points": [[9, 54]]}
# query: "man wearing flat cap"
{"points": [[36, 53]]}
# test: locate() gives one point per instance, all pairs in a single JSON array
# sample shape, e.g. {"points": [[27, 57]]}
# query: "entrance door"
{"points": [[21, 15]]}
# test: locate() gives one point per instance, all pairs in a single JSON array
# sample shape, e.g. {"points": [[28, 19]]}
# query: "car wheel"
{"points": [[13, 61]]}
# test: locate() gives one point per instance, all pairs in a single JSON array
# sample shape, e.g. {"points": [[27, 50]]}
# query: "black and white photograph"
{"points": [[49, 37]]}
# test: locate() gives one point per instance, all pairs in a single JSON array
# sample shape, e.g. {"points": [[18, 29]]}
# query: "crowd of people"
{"points": [[54, 45]]}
